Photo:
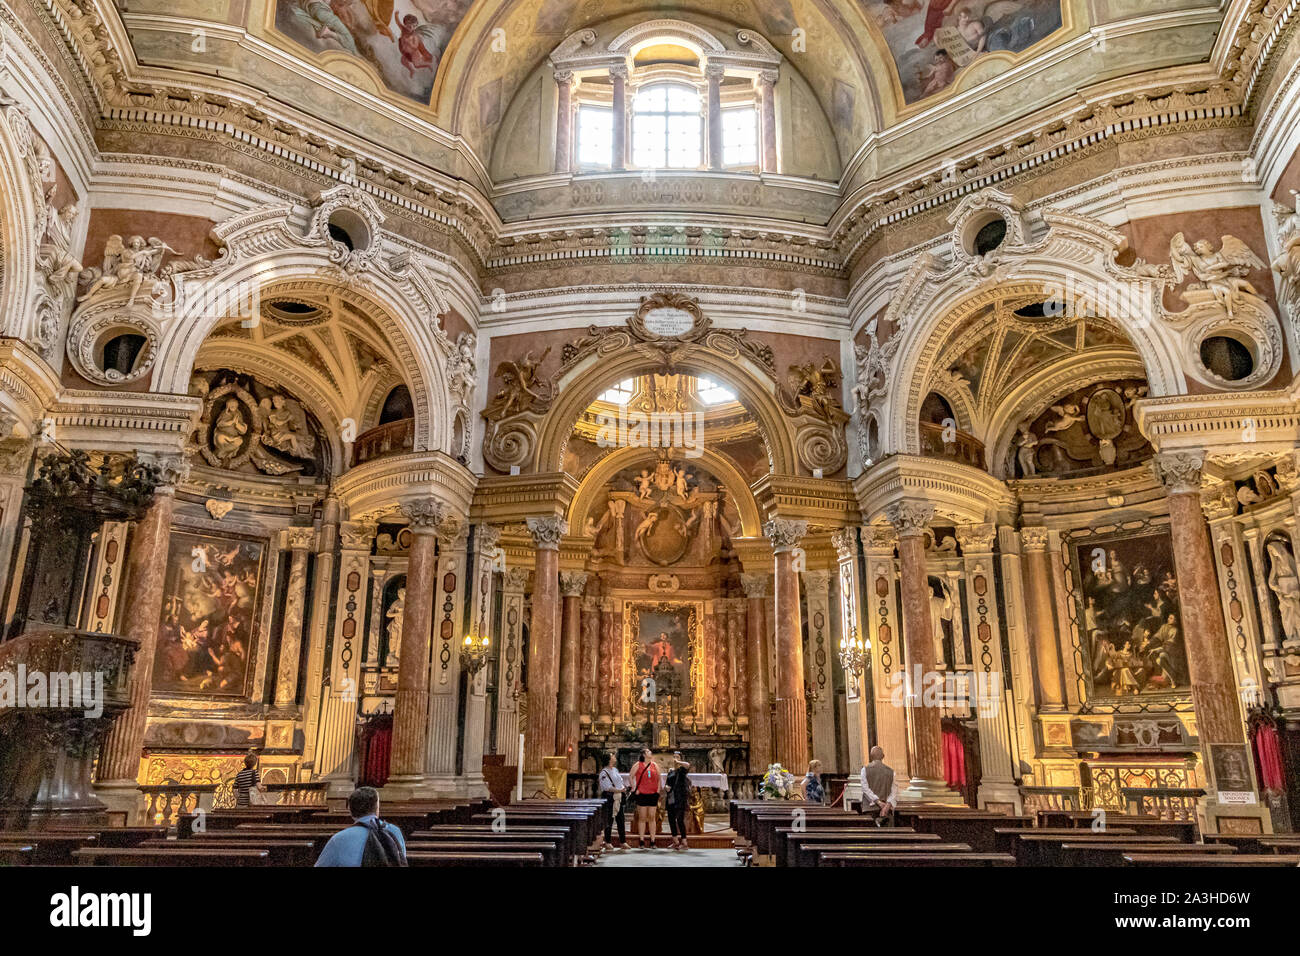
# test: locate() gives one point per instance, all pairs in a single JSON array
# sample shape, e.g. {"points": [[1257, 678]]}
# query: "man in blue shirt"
{"points": [[347, 847]]}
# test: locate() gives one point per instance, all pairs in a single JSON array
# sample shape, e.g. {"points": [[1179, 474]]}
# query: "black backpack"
{"points": [[382, 848]]}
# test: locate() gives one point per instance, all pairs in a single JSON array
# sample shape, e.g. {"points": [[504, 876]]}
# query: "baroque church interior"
{"points": [[443, 396]]}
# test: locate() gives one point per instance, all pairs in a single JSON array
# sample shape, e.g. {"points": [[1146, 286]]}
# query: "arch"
{"points": [[415, 334], [1074, 262], [701, 41], [721, 467], [20, 225], [577, 389]]}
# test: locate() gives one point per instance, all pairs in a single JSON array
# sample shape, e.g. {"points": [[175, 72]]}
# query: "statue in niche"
{"points": [[229, 431], [396, 612], [1026, 451], [54, 258], [1284, 582], [236, 429], [816, 384], [941, 609], [521, 391], [284, 427], [1223, 273]]}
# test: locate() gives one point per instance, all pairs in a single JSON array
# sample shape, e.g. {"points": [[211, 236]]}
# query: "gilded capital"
{"points": [[784, 533], [909, 518], [547, 532]]}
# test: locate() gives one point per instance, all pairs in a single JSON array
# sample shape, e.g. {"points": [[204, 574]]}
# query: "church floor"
{"points": [[668, 858]]}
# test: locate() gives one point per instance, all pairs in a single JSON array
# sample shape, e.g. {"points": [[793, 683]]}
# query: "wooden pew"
{"points": [[550, 852], [318, 836], [1186, 831], [1044, 849], [1005, 837], [50, 847], [927, 860], [975, 827], [551, 843], [423, 858], [786, 839], [763, 826], [16, 854], [279, 852], [1211, 859], [582, 823], [564, 837], [1112, 854], [182, 855]]}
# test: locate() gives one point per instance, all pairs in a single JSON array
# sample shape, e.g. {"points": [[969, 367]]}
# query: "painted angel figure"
{"points": [[643, 482], [1223, 273], [321, 19], [1066, 417]]}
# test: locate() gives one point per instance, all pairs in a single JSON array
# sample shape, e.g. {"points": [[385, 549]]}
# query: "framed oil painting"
{"points": [[1130, 617], [662, 645], [210, 603]]}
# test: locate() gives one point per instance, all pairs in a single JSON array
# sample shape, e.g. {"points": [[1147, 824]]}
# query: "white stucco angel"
{"points": [[127, 263], [873, 362], [1223, 273]]}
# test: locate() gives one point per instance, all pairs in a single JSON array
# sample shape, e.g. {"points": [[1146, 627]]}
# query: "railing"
{"points": [[394, 438], [1050, 798], [1167, 803], [166, 801], [306, 794], [581, 786], [939, 441]]}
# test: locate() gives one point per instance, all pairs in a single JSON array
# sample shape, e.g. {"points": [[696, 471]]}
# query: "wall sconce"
{"points": [[853, 655], [474, 654]]}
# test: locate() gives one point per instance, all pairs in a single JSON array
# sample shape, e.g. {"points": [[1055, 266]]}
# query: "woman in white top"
{"points": [[613, 791]]}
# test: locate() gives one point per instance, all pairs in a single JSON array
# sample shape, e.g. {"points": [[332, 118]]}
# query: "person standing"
{"points": [[813, 791], [246, 780], [369, 841], [645, 790], [678, 800], [879, 789], [612, 790]]}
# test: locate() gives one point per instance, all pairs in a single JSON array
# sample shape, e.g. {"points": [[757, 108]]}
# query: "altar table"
{"points": [[709, 781]]}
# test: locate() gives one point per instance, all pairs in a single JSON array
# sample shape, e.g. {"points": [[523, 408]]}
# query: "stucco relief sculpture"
{"points": [[1222, 273], [1287, 263], [237, 429], [1284, 582], [128, 263]]}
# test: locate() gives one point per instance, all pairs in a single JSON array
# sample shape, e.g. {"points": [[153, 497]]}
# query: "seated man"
{"points": [[369, 841], [878, 779]]}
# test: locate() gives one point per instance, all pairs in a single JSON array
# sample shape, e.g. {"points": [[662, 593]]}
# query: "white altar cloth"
{"points": [[710, 781]]}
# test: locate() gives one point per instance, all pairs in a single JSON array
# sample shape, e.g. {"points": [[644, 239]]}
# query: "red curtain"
{"points": [[376, 749], [1268, 756], [954, 759]]}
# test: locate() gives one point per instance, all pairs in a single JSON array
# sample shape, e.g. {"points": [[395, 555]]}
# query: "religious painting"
{"points": [[662, 653], [403, 40], [1130, 615], [209, 614], [931, 41], [1089, 431]]}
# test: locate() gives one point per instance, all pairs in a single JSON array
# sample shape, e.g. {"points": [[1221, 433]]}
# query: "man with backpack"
{"points": [[369, 841]]}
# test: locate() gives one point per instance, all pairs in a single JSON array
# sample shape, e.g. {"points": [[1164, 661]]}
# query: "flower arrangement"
{"points": [[778, 783]]}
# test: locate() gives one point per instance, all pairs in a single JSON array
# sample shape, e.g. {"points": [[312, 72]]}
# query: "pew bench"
{"points": [[549, 852], [279, 852], [167, 856], [1112, 854], [1005, 837], [1042, 849], [1211, 859], [16, 854], [788, 839], [926, 860], [439, 859]]}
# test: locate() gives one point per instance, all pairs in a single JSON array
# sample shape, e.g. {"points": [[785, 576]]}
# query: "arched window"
{"points": [[667, 128]]}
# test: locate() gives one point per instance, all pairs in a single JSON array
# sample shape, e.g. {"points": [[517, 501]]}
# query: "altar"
{"points": [[705, 781]]}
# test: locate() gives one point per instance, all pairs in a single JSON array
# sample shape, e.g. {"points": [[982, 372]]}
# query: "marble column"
{"points": [[820, 651], [724, 636], [618, 117], [474, 742], [1016, 622], [709, 647], [447, 637], [564, 121], [767, 116], [791, 723], [567, 727], [337, 734], [300, 541], [407, 774], [1228, 763], [588, 686], [713, 74], [314, 704], [887, 661], [924, 715], [514, 582], [758, 704], [990, 698], [1042, 620], [543, 646], [858, 721], [608, 674], [118, 769]]}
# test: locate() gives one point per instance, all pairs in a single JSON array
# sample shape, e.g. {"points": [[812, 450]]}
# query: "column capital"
{"points": [[564, 77], [1034, 539], [424, 516], [976, 538], [547, 531], [769, 77], [879, 538], [755, 585], [357, 535], [487, 536], [300, 539], [784, 533], [573, 583], [618, 71], [515, 580], [1179, 472], [173, 468], [845, 541], [909, 518], [816, 582], [714, 72]]}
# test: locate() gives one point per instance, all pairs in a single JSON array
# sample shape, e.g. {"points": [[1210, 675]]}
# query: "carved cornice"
{"points": [[380, 487]]}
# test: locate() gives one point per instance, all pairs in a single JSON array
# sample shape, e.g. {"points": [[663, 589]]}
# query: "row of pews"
{"points": [[438, 833], [794, 835]]}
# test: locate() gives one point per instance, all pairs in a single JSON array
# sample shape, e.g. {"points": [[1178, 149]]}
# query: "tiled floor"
{"points": [[669, 858]]}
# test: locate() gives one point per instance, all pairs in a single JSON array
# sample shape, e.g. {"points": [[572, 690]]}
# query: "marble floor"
{"points": [[669, 858]]}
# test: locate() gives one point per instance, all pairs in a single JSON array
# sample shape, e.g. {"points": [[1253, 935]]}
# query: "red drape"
{"points": [[954, 759], [376, 749], [1268, 756]]}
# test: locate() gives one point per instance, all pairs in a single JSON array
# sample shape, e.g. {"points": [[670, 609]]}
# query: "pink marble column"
{"points": [[910, 521], [738, 631], [714, 74], [767, 116], [564, 122], [1037, 571], [791, 724], [588, 686], [572, 584], [760, 693], [722, 673], [618, 79], [146, 567], [544, 643], [607, 675], [411, 711]]}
